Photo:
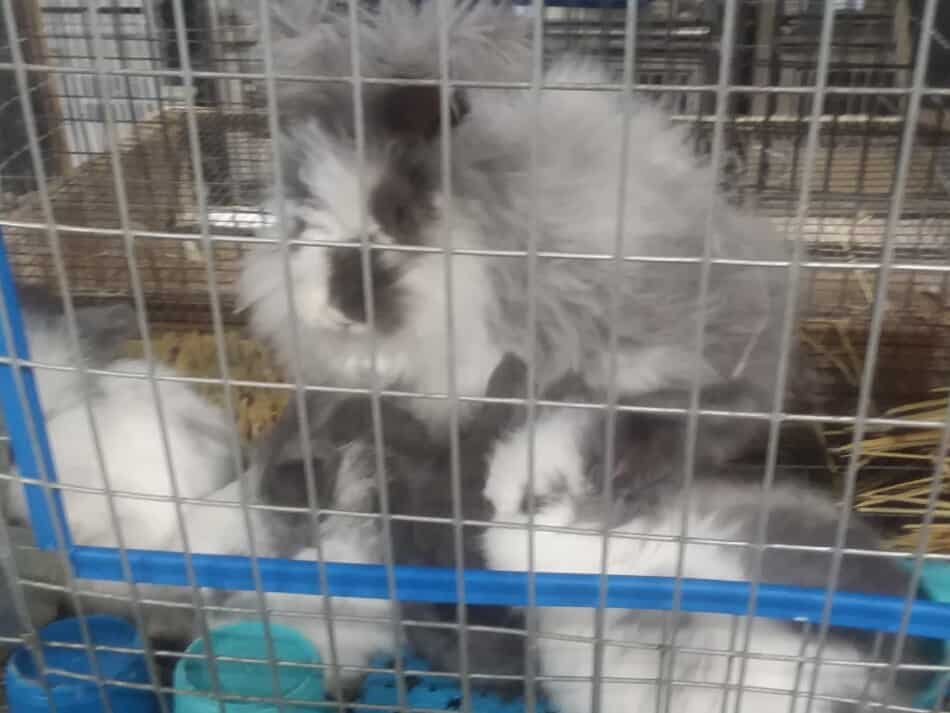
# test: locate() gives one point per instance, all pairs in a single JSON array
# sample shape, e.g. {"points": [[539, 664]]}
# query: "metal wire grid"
{"points": [[855, 175], [868, 50], [888, 262]]}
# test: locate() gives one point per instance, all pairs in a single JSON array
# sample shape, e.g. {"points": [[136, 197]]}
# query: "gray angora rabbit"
{"points": [[670, 204], [647, 512], [343, 460]]}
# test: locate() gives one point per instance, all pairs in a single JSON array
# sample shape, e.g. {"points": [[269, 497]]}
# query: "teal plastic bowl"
{"points": [[194, 685], [935, 582], [69, 694]]}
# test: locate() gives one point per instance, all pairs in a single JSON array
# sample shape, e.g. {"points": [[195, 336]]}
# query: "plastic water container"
{"points": [[936, 584], [252, 679], [25, 690]]}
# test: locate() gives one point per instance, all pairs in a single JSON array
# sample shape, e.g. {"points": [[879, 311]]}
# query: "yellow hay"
{"points": [[196, 355], [906, 494], [902, 492]]}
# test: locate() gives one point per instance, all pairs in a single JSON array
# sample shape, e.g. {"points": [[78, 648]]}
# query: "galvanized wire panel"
{"points": [[159, 161]]}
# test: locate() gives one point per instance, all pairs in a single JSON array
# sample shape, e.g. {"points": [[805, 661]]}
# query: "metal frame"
{"points": [[822, 607]]}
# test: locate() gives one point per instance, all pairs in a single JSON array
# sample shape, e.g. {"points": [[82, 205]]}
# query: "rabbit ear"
{"points": [[651, 447], [352, 420], [509, 380], [284, 484], [416, 111], [728, 438]]}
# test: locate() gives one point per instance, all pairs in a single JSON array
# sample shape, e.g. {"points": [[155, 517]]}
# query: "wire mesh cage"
{"points": [[760, 525]]}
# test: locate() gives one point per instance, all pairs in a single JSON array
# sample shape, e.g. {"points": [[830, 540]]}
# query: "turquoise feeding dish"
{"points": [[26, 692], [253, 677], [935, 582]]}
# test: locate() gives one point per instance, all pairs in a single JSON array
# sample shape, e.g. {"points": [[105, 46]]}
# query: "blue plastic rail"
{"points": [[30, 464], [875, 613], [434, 584]]}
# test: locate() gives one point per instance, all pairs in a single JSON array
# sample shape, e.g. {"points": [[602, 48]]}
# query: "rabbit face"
{"points": [[393, 204], [389, 195]]}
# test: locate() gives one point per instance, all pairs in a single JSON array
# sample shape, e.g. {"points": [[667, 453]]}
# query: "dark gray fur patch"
{"points": [[558, 492], [870, 574], [103, 329], [415, 111], [283, 457], [347, 292], [788, 525], [651, 447], [286, 484], [401, 203], [420, 485], [490, 653], [509, 380]]}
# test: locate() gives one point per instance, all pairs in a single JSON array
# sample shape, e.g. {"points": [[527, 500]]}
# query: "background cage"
{"points": [[131, 62]]}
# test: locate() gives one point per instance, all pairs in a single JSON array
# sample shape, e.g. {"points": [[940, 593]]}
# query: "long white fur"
{"points": [[670, 203], [132, 452], [702, 664], [134, 458]]}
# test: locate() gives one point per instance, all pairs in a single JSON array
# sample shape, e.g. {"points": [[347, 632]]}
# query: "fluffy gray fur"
{"points": [[342, 453], [671, 202], [648, 509]]}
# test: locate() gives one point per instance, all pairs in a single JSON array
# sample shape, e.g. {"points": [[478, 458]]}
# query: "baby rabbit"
{"points": [[344, 467], [348, 632], [670, 203], [646, 513], [130, 438]]}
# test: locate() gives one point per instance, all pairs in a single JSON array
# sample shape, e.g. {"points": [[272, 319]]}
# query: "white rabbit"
{"points": [[130, 442], [644, 521], [670, 203]]}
